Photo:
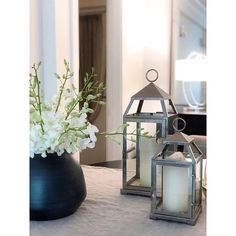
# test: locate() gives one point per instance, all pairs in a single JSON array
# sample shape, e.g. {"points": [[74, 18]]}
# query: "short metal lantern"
{"points": [[176, 192], [137, 164]]}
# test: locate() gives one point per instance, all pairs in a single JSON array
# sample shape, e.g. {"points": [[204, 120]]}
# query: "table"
{"points": [[117, 164], [105, 212]]}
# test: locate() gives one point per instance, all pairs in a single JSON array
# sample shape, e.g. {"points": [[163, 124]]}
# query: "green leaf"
{"points": [[90, 110], [90, 97], [32, 102], [34, 82], [89, 85], [140, 129], [101, 102], [57, 76], [69, 105], [101, 85], [114, 138], [73, 87], [65, 62], [86, 105]]}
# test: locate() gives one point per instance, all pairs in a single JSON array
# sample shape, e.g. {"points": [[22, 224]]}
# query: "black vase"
{"points": [[57, 186]]}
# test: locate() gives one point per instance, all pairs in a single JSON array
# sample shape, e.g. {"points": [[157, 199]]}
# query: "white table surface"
{"points": [[106, 212]]}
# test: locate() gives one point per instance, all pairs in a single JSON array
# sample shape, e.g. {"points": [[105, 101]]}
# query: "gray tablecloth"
{"points": [[106, 212]]}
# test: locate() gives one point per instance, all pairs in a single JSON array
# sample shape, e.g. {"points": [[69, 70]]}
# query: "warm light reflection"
{"points": [[190, 71], [193, 68]]}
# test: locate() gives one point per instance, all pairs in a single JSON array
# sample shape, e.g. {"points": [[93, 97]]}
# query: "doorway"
{"points": [[92, 54]]}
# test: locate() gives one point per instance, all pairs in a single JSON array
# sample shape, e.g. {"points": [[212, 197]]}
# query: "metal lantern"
{"points": [[137, 159], [176, 192]]}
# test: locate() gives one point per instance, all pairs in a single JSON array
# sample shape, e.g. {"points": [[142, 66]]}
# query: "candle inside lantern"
{"points": [[175, 185], [148, 148]]}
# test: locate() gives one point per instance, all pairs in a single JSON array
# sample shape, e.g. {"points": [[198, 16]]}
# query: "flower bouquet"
{"points": [[58, 129], [61, 125]]}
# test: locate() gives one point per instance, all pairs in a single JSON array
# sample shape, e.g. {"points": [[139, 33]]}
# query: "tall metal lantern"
{"points": [[137, 166], [176, 192]]}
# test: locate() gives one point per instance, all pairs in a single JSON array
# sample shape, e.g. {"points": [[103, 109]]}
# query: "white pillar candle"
{"points": [[148, 148], [175, 186]]}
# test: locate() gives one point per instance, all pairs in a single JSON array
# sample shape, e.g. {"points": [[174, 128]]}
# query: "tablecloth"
{"points": [[106, 212]]}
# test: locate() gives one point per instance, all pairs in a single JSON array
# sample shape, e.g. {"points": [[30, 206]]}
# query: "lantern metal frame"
{"points": [[162, 120], [173, 142]]}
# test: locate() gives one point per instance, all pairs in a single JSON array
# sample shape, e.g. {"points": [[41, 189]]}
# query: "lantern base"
{"points": [[144, 193], [190, 221]]}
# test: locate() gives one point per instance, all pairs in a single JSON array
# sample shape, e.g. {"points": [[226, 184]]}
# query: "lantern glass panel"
{"points": [[148, 147], [197, 194], [138, 162], [131, 172], [153, 106], [134, 107]]}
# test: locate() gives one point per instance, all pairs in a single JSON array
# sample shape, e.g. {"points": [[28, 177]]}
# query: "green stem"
{"points": [[61, 91], [88, 81], [38, 101], [73, 129], [72, 107], [38, 90], [35, 96], [78, 99], [34, 107]]}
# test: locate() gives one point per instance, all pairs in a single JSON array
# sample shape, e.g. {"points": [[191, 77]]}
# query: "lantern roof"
{"points": [[151, 92], [179, 138]]}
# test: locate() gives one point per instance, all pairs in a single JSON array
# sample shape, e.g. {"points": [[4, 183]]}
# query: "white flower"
{"points": [[78, 122], [91, 145], [84, 143], [75, 134], [59, 126], [91, 130], [89, 142]]}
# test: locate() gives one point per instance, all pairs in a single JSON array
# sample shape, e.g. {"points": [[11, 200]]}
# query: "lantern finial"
{"points": [[152, 80], [175, 124]]}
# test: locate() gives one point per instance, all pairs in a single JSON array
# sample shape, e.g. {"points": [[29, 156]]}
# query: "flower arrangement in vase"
{"points": [[58, 129]]}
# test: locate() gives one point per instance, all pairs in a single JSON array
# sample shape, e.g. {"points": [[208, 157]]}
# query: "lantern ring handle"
{"points": [[175, 122], [150, 79]]}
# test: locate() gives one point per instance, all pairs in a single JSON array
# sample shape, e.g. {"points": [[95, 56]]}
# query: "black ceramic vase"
{"points": [[57, 186]]}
